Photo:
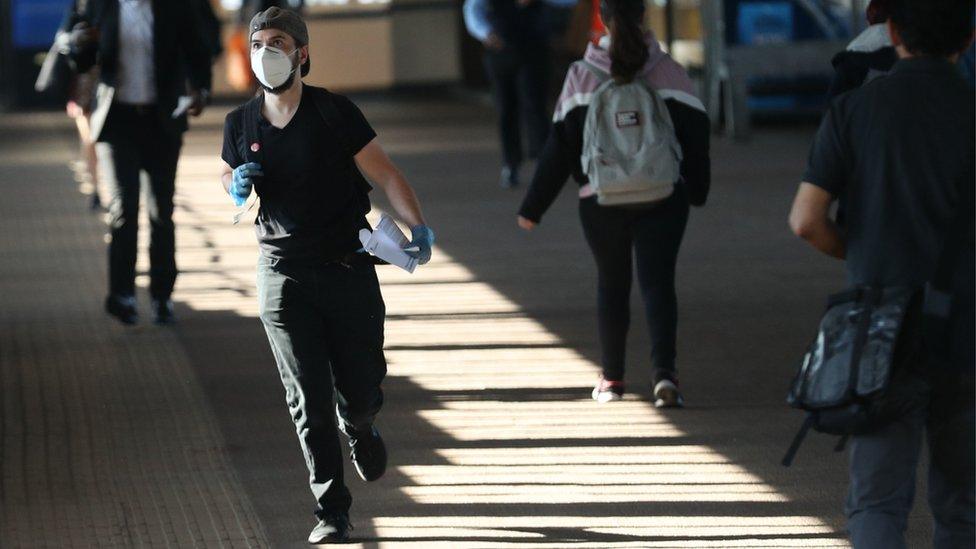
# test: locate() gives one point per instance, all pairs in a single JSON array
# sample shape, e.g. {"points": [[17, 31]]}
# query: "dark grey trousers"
{"points": [[519, 82], [325, 326], [135, 142], [883, 465]]}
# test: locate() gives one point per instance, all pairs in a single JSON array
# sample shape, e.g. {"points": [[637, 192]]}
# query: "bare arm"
{"points": [[226, 175], [378, 167], [810, 220]]}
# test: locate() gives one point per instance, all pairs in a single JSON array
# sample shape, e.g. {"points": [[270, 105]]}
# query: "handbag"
{"points": [[57, 74], [862, 371]]}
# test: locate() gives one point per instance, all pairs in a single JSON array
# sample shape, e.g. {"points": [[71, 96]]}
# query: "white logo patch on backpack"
{"points": [[630, 151], [628, 119]]}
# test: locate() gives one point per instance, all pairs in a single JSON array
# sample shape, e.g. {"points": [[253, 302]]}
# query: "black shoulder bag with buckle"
{"points": [[866, 367], [330, 115], [859, 374]]}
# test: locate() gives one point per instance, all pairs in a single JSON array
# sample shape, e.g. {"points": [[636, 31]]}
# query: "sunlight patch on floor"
{"points": [[509, 401]]}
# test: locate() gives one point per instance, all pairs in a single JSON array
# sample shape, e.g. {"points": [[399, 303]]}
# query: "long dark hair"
{"points": [[628, 52]]}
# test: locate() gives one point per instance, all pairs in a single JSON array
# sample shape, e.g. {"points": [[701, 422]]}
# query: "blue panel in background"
{"points": [[34, 22], [765, 23]]}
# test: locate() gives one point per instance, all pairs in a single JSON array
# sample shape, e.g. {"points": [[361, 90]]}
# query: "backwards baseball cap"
{"points": [[287, 21]]}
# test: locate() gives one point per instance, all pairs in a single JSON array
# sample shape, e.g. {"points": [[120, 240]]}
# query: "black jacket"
{"points": [[182, 58]]}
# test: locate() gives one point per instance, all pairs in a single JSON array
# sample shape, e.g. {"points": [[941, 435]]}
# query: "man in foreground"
{"points": [[301, 149]]}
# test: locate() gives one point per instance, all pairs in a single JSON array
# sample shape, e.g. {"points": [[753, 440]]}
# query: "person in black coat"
{"points": [[154, 70]]}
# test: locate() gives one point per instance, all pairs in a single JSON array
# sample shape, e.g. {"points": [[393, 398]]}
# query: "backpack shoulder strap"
{"points": [[252, 137], [330, 114], [596, 71]]}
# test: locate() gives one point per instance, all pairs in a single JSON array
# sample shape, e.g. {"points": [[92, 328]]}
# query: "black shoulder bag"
{"points": [[859, 374], [330, 114], [327, 109], [866, 367]]}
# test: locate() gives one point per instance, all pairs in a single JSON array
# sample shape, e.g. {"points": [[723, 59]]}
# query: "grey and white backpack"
{"points": [[630, 151]]}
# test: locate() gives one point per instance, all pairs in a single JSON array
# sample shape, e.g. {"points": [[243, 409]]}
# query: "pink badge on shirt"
{"points": [[255, 147]]}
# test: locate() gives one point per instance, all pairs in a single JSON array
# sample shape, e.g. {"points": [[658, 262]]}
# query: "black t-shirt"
{"points": [[313, 198], [899, 150]]}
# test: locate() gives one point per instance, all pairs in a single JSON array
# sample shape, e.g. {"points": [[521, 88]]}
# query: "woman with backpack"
{"points": [[661, 148]]}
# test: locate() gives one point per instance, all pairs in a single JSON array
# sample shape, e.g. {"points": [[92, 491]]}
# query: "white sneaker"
{"points": [[608, 391], [666, 395]]}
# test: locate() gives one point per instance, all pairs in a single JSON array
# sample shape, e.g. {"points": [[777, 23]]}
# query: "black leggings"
{"points": [[616, 236]]}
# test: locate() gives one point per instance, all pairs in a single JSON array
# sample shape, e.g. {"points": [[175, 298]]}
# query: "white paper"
{"points": [[182, 104], [387, 242], [246, 207]]}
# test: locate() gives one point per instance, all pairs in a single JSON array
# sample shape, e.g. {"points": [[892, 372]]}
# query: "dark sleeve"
{"points": [[827, 164], [693, 130], [231, 153], [554, 167], [195, 48], [358, 131]]}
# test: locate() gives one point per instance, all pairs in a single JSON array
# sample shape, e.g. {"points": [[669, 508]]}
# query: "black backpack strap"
{"points": [[330, 114], [797, 441], [253, 149]]}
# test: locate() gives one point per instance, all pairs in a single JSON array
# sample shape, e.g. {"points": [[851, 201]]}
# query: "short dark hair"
{"points": [[933, 27]]}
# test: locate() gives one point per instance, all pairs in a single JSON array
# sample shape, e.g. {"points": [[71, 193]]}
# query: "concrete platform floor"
{"points": [[179, 436]]}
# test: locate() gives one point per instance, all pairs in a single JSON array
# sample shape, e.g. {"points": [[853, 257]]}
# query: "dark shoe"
{"points": [[509, 178], [667, 395], [332, 528], [123, 308], [368, 454], [163, 311]]}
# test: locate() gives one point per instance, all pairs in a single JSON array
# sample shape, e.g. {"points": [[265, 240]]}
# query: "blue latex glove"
{"points": [[243, 180], [423, 240]]}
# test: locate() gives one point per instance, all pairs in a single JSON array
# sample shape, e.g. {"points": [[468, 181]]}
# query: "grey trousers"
{"points": [[883, 467]]}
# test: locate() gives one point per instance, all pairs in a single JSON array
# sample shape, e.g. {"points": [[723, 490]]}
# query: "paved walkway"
{"points": [[179, 436]]}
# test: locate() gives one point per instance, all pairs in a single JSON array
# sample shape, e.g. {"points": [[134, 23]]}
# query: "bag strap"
{"points": [[601, 74], [841, 443], [330, 114], [253, 150], [868, 298], [798, 440]]}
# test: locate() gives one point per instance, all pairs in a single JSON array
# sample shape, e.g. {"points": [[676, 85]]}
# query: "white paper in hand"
{"points": [[387, 243], [182, 105]]}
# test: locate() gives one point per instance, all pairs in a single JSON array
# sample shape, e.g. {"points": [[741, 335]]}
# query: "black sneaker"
{"points": [[368, 454], [333, 528], [509, 178], [123, 308], [163, 311]]}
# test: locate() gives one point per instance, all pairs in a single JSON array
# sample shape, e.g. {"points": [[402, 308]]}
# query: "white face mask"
{"points": [[272, 66]]}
